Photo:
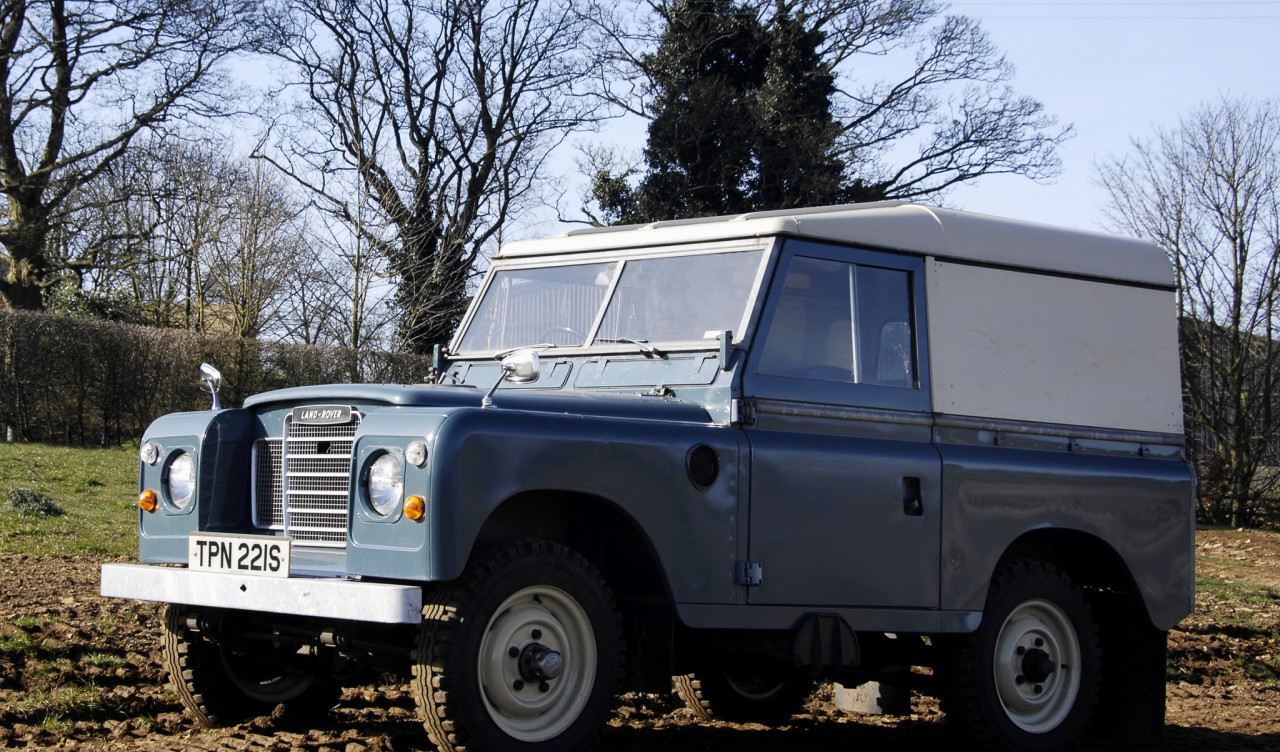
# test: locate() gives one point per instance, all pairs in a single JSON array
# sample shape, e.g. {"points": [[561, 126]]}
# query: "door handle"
{"points": [[912, 502]]}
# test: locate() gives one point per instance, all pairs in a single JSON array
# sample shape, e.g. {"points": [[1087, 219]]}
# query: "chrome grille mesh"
{"points": [[302, 482], [268, 484]]}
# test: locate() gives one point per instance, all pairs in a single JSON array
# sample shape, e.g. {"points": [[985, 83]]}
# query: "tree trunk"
{"points": [[22, 297], [22, 289], [29, 272], [1241, 508]]}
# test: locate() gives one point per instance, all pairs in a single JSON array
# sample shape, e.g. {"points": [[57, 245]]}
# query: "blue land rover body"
{"points": [[745, 452]]}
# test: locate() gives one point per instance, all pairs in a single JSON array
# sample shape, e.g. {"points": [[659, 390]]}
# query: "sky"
{"points": [[1118, 71], [1114, 70]]}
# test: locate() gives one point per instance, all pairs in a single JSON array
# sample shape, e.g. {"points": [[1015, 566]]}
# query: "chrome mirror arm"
{"points": [[488, 396], [212, 378]]}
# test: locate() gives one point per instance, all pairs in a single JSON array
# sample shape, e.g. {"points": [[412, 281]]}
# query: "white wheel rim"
{"points": [[1037, 666], [531, 710]]}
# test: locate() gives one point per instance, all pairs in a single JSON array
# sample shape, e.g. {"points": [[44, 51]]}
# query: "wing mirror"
{"points": [[212, 378], [519, 367]]}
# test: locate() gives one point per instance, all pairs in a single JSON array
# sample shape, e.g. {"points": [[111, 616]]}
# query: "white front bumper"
{"points": [[302, 596]]}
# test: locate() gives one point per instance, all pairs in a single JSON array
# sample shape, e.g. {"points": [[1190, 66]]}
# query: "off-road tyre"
{"points": [[1131, 707], [742, 689], [1037, 632], [215, 687], [470, 677]]}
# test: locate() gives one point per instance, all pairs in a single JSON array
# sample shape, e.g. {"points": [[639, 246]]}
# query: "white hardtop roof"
{"points": [[891, 225]]}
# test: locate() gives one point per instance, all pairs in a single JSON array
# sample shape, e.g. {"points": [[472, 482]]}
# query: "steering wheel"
{"points": [[546, 335]]}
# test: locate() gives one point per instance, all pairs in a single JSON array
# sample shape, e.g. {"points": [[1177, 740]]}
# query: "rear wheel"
{"points": [[523, 653], [1131, 706], [220, 685], [1029, 677], [743, 689]]}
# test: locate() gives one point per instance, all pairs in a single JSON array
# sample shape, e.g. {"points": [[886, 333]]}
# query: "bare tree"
{"points": [[138, 230], [79, 80], [339, 297], [195, 238], [366, 315], [260, 235], [171, 203], [446, 111], [309, 306], [1209, 192], [99, 244], [146, 226]]}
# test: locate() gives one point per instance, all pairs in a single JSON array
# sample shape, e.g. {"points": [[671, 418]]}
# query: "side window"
{"points": [[885, 337], [842, 322], [843, 326]]}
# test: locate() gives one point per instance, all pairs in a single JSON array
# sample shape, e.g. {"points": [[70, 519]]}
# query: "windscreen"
{"points": [[661, 300], [681, 298], [555, 304]]}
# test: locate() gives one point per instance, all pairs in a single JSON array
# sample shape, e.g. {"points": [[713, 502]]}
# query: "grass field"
{"points": [[97, 488]]}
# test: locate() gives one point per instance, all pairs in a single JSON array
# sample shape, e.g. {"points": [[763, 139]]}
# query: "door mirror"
{"points": [[212, 378], [519, 367]]}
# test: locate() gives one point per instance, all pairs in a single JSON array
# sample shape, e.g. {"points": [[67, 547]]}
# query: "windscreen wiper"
{"points": [[649, 350]]}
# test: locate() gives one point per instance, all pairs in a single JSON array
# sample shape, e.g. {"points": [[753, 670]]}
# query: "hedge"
{"points": [[90, 382]]}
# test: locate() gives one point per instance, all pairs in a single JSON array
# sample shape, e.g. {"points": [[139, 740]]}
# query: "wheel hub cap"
{"points": [[1037, 665], [540, 663]]}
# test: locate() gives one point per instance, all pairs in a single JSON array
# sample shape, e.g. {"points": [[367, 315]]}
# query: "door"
{"points": [[844, 506]]}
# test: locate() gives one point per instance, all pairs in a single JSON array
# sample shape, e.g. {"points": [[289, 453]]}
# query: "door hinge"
{"points": [[750, 573]]}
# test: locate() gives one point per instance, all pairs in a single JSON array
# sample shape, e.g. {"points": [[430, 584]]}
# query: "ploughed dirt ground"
{"points": [[79, 672]]}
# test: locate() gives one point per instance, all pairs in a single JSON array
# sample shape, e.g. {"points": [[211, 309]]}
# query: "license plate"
{"points": [[262, 555]]}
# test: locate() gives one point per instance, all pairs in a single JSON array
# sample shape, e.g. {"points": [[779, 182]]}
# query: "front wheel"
{"points": [[1028, 679], [221, 684], [523, 652]]}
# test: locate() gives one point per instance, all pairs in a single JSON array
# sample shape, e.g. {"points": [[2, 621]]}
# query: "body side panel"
{"points": [[1141, 507], [485, 457], [1012, 345]]}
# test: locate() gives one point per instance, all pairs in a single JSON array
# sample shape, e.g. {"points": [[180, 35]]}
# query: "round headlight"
{"points": [[416, 453], [150, 453], [180, 480], [385, 484]]}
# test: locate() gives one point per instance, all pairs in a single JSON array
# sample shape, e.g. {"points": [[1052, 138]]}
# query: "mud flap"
{"points": [[825, 646]]}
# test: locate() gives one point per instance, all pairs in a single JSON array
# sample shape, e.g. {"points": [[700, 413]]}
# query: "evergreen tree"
{"points": [[741, 119], [794, 144], [747, 115], [707, 72]]}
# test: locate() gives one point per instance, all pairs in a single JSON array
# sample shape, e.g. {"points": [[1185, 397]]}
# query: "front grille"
{"points": [[302, 482], [268, 484]]}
